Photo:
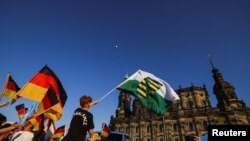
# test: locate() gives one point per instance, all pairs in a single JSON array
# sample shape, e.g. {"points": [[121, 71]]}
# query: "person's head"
{"points": [[28, 126], [85, 101]]}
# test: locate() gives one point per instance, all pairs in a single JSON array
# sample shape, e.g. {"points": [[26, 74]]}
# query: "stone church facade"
{"points": [[188, 116]]}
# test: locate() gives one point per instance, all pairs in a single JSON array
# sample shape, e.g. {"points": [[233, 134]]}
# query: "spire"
{"points": [[126, 76], [211, 62], [224, 91]]}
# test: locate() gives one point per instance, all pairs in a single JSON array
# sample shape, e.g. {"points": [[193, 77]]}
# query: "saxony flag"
{"points": [[152, 92]]}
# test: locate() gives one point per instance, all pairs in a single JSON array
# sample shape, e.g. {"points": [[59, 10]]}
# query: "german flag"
{"points": [[38, 86], [37, 122], [49, 129], [11, 88], [105, 131], [45, 87], [47, 105], [21, 110], [58, 133]]}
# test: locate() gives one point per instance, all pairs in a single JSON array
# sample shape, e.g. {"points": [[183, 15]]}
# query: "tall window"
{"points": [[148, 128], [205, 125], [191, 126], [127, 130], [190, 104], [175, 127], [161, 128], [137, 129]]}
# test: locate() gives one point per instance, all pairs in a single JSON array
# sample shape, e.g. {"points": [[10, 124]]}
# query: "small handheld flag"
{"points": [[105, 130], [10, 89], [20, 110]]}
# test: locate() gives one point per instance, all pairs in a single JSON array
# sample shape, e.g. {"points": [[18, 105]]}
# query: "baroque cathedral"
{"points": [[188, 116]]}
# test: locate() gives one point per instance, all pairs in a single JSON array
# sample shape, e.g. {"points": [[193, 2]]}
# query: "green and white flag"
{"points": [[152, 92]]}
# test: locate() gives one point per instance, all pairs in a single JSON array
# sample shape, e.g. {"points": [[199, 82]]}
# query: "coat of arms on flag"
{"points": [[153, 92]]}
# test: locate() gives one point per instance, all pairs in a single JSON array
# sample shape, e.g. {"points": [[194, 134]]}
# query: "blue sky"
{"points": [[169, 38]]}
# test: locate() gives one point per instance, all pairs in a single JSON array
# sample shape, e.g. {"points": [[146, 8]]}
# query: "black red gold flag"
{"points": [[21, 110], [38, 86], [105, 131], [58, 133], [46, 88], [37, 122], [46, 106], [10, 88]]}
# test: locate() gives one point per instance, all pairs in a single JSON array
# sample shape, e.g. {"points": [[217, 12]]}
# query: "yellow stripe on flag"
{"points": [[33, 92], [9, 93], [141, 93], [142, 86], [55, 113]]}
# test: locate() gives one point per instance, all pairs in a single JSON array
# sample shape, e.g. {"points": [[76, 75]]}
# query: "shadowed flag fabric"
{"points": [[58, 133], [21, 110], [151, 91], [37, 122], [46, 88], [11, 88], [49, 100], [105, 131]]}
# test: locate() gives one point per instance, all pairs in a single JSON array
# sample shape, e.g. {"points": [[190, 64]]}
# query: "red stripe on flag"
{"points": [[43, 80], [11, 85]]}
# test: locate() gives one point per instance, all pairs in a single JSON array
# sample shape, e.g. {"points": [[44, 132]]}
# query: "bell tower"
{"points": [[225, 93], [124, 102]]}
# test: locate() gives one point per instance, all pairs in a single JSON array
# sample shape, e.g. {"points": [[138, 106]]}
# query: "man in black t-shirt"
{"points": [[82, 121]]}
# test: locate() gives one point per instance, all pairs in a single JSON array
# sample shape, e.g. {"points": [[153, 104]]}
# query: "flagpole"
{"points": [[38, 114], [5, 85], [100, 99]]}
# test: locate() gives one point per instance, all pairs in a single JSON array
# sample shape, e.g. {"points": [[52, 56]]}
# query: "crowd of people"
{"points": [[81, 123], [19, 132]]}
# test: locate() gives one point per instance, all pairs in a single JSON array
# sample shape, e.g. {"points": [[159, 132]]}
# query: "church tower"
{"points": [[225, 93], [124, 102]]}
